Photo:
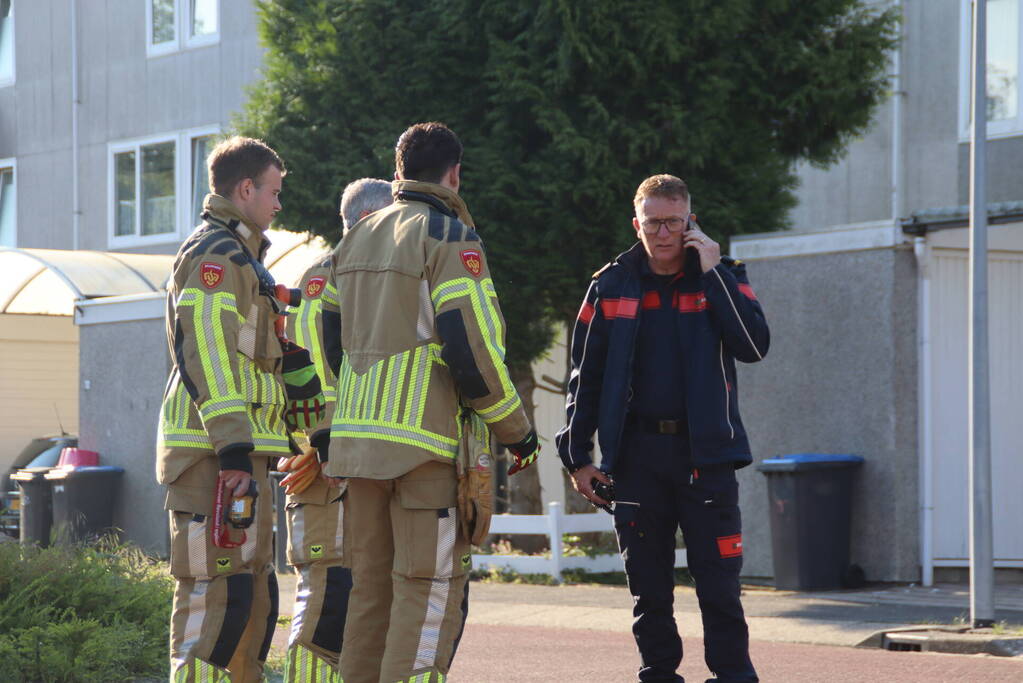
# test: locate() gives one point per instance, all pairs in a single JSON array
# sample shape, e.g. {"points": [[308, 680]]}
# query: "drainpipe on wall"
{"points": [[896, 156], [76, 209], [923, 428]]}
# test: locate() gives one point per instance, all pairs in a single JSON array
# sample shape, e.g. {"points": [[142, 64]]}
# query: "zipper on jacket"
{"points": [[724, 379]]}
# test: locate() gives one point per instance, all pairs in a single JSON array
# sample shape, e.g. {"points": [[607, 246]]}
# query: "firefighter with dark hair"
{"points": [[414, 333], [221, 423], [315, 514]]}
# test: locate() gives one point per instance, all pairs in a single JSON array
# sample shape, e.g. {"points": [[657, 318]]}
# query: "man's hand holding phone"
{"points": [[708, 249]]}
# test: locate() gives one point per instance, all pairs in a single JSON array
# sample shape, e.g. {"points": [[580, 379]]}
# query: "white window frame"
{"points": [[183, 40], [12, 163], [995, 129], [184, 221], [7, 82]]}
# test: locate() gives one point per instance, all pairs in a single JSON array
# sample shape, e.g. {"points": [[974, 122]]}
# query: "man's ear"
{"points": [[455, 176], [245, 188], [397, 177], [635, 224]]}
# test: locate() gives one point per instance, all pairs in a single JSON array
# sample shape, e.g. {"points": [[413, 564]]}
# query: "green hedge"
{"points": [[82, 614]]}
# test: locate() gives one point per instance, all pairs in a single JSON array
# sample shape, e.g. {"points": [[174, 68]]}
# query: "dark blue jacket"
{"points": [[720, 320]]}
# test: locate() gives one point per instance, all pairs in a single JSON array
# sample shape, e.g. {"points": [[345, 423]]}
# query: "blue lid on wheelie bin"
{"points": [[802, 462]]}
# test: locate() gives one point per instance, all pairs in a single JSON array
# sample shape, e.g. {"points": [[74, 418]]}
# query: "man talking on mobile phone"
{"points": [[653, 373]]}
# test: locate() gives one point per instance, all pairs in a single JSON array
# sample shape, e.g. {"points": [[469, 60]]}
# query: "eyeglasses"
{"points": [[652, 226]]}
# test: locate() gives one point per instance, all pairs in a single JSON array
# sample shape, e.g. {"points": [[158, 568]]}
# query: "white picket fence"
{"points": [[553, 525]]}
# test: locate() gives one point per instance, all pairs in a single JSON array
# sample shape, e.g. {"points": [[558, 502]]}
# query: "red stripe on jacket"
{"points": [[748, 291], [619, 308], [586, 313], [651, 299], [691, 303]]}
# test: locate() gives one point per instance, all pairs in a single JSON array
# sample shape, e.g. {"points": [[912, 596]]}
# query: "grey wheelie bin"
{"points": [[83, 501], [810, 497], [36, 518]]}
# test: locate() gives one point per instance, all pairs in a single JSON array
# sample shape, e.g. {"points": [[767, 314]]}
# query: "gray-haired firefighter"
{"points": [[222, 423], [415, 330], [314, 511]]}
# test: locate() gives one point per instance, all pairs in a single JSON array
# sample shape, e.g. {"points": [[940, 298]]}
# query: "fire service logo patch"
{"points": [[314, 287], [212, 274], [472, 261]]}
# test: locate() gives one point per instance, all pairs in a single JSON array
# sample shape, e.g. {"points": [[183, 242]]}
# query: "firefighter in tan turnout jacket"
{"points": [[221, 421], [420, 331], [315, 515]]}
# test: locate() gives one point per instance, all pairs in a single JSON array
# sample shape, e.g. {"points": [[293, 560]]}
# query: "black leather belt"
{"points": [[657, 426]]}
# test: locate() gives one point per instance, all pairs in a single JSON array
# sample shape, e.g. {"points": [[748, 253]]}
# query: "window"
{"points": [[6, 42], [8, 204], [173, 25], [202, 145], [1003, 68], [157, 186]]}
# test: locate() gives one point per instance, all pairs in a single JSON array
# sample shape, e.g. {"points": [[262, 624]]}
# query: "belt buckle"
{"points": [[667, 426]]}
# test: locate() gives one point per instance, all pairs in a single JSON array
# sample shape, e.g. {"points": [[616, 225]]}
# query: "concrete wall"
{"points": [[935, 164], [840, 378], [124, 368], [124, 94]]}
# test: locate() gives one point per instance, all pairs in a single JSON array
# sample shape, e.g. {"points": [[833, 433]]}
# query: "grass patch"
{"points": [[570, 577], [83, 613]]}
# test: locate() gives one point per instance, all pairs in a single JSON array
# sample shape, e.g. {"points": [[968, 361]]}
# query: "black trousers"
{"points": [[656, 493]]}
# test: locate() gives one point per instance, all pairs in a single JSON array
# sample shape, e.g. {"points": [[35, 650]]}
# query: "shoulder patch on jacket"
{"points": [[211, 274], [729, 261]]}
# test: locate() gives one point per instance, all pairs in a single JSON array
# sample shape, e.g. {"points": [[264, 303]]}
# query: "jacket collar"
{"points": [[223, 212], [438, 196], [636, 260]]}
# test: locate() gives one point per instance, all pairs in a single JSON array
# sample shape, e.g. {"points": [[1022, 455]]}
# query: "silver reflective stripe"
{"points": [[424, 324], [420, 365], [501, 407], [196, 616], [303, 592], [339, 532], [436, 603], [197, 560], [394, 383], [297, 532]]}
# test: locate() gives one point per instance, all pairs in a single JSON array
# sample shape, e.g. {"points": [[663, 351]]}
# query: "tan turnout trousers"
{"points": [[225, 599], [316, 523], [409, 567]]}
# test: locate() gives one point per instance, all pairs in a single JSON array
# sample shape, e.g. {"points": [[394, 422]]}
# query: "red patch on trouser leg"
{"points": [[730, 546]]}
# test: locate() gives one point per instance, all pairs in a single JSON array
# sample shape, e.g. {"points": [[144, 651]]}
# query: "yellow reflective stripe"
{"points": [[452, 289], [397, 433], [307, 335], [212, 409], [502, 409], [210, 342], [330, 295]]}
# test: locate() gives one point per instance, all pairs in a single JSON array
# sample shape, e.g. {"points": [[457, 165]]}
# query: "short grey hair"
{"points": [[364, 195]]}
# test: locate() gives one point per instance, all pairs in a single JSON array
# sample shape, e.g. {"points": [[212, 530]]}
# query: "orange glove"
{"points": [[302, 470]]}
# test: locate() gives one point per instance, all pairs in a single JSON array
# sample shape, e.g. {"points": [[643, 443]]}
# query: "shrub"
{"points": [[81, 614]]}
